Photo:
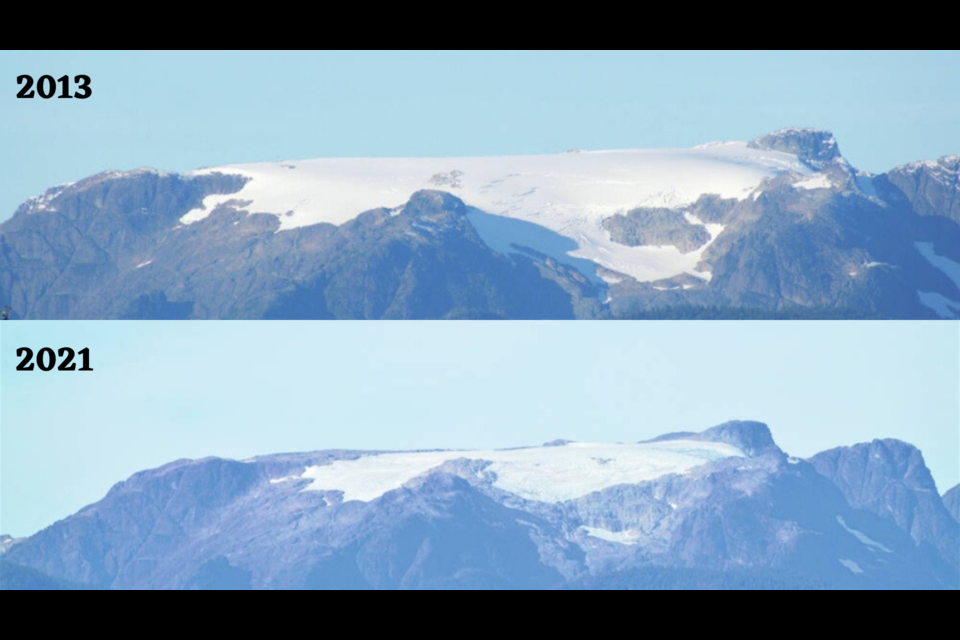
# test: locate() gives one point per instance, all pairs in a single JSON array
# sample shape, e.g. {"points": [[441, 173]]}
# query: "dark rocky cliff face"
{"points": [[61, 252], [96, 253], [814, 146], [889, 478]]}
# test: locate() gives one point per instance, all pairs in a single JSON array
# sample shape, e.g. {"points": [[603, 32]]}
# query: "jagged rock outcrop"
{"points": [[889, 478], [814, 146]]}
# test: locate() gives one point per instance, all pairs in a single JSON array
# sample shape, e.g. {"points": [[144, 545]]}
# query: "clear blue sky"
{"points": [[167, 390], [183, 110]]}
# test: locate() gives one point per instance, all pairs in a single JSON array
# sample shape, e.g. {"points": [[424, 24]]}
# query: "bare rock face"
{"points": [[931, 187], [951, 500], [92, 251], [814, 146], [751, 437], [889, 478], [659, 227]]}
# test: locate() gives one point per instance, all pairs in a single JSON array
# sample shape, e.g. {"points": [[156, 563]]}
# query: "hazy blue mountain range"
{"points": [[724, 508], [782, 226]]}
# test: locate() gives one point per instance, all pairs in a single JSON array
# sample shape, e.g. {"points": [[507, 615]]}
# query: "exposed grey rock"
{"points": [[932, 188], [753, 438], [951, 500], [657, 227], [815, 146], [426, 262], [889, 478]]}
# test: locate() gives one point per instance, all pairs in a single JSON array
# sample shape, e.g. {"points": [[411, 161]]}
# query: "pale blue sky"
{"points": [[183, 110], [167, 390]]}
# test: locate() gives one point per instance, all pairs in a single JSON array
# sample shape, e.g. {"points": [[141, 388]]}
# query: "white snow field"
{"points": [[628, 537], [568, 194], [543, 474], [851, 565]]}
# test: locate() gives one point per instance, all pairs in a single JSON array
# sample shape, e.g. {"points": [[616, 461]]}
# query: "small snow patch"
{"points": [[865, 184], [873, 545], [850, 564], [941, 304], [816, 181], [630, 536], [948, 266]]}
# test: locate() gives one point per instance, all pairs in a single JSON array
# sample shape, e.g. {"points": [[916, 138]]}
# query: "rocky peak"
{"points": [[429, 201], [931, 187], [753, 438], [946, 168], [859, 468], [890, 478], [816, 147]]}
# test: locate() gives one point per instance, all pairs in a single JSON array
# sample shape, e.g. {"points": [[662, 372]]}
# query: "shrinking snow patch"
{"points": [[850, 564], [816, 181], [873, 545], [42, 202], [631, 536], [864, 182], [948, 266], [543, 474], [941, 304]]}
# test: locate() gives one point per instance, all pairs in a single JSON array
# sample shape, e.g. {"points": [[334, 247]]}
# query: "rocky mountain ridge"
{"points": [[778, 225], [723, 508]]}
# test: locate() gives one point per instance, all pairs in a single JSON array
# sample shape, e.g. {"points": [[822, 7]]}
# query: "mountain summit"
{"points": [[781, 226], [815, 147], [890, 479]]}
